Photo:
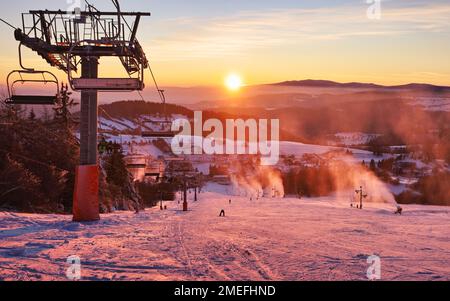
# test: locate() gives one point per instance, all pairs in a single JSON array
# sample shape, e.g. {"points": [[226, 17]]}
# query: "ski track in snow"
{"points": [[268, 239]]}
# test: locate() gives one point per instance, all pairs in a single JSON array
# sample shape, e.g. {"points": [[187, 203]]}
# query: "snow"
{"points": [[268, 239], [397, 189], [203, 167], [108, 124], [149, 122], [135, 145], [148, 149], [128, 123], [355, 138], [286, 148], [433, 103], [407, 181], [300, 149]]}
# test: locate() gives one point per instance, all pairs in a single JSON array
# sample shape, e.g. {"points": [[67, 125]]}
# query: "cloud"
{"points": [[237, 34]]}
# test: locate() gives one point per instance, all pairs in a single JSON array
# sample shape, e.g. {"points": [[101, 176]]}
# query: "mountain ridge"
{"points": [[356, 85]]}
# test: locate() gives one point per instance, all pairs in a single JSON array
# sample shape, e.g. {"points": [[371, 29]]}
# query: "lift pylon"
{"points": [[76, 40]]}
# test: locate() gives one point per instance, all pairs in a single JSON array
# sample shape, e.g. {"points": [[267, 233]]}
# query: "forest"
{"points": [[38, 157]]}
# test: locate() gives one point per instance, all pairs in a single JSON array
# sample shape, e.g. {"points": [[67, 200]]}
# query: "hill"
{"points": [[357, 85]]}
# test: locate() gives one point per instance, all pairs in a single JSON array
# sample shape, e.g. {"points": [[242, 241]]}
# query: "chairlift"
{"points": [[153, 174], [166, 124], [28, 99], [104, 84], [156, 134], [134, 64], [136, 165], [22, 76]]}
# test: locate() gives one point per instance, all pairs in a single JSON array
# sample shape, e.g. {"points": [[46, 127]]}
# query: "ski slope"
{"points": [[267, 239]]}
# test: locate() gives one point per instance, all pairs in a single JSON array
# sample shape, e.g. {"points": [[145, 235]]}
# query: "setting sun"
{"points": [[233, 82]]}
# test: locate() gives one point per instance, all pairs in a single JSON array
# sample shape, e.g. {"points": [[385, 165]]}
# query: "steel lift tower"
{"points": [[74, 42]]}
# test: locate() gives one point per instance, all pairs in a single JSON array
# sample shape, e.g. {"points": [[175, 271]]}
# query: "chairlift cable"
{"points": [[160, 92], [156, 84], [106, 112], [7, 23], [142, 97]]}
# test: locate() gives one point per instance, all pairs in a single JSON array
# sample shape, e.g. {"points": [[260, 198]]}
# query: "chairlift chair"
{"points": [[15, 98], [136, 165], [166, 125], [153, 174], [165, 132], [156, 134]]}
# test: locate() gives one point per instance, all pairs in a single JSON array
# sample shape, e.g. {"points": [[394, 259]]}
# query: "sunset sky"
{"points": [[199, 42]]}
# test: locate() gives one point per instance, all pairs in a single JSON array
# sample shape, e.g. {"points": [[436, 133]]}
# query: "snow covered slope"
{"points": [[268, 239], [434, 103], [300, 149], [350, 139]]}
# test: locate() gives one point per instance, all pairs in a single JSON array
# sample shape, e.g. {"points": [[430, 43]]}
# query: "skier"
{"points": [[222, 213], [399, 210], [229, 201]]}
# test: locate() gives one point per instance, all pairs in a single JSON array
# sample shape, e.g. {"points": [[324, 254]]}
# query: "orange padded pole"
{"points": [[85, 198]]}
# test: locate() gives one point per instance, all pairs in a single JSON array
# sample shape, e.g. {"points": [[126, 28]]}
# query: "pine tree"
{"points": [[64, 105], [116, 169], [37, 163], [119, 183]]}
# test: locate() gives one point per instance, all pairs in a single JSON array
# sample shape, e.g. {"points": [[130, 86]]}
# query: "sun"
{"points": [[233, 82]]}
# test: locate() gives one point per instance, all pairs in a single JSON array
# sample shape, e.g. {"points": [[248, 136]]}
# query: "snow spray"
{"points": [[350, 176], [261, 180]]}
